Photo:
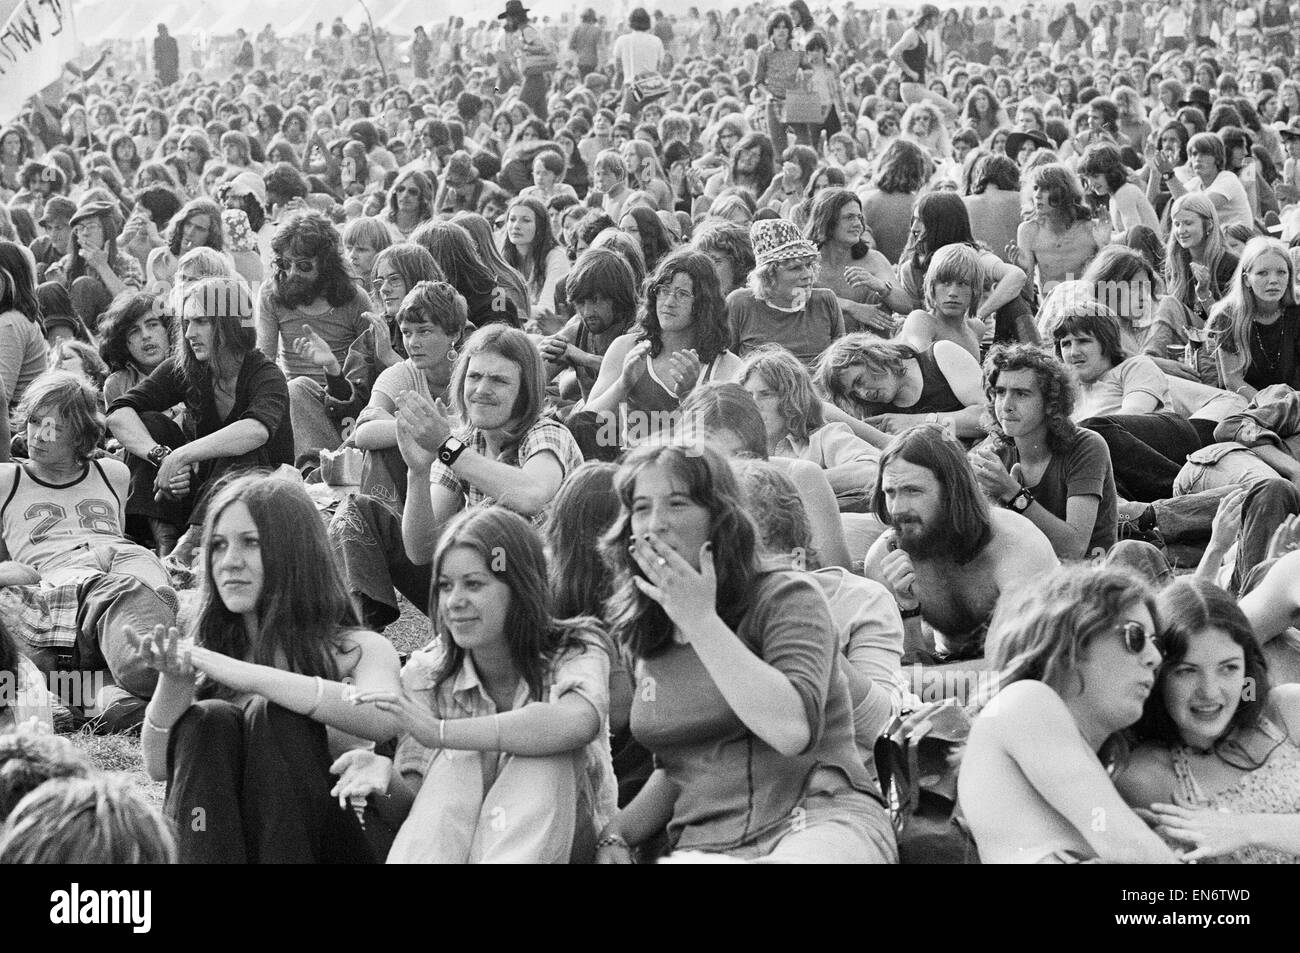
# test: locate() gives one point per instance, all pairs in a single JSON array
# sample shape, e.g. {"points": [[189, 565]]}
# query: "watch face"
{"points": [[1021, 502]]}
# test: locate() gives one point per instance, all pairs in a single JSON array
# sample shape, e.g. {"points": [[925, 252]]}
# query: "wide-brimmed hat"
{"points": [[1016, 141], [94, 208], [1287, 130], [57, 207], [777, 239], [460, 169], [514, 8], [1199, 97]]}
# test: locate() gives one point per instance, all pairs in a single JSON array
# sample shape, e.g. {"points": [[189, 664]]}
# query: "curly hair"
{"points": [[117, 322], [726, 240], [1054, 384], [709, 328], [311, 234]]}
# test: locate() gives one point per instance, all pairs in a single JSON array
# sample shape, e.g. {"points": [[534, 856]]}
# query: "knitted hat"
{"points": [[778, 239], [460, 169]]}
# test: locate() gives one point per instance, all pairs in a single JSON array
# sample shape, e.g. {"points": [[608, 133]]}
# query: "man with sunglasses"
{"points": [[310, 285]]}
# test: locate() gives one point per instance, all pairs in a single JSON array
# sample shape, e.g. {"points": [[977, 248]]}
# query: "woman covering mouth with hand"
{"points": [[1218, 765]]}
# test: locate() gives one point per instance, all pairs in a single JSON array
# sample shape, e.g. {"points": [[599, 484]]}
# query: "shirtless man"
{"points": [[1062, 237], [947, 557]]}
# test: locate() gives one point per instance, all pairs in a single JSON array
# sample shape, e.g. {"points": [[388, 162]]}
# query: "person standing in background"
{"points": [[166, 57]]}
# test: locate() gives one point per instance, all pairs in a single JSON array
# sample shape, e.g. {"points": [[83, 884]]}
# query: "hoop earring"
{"points": [[451, 355]]}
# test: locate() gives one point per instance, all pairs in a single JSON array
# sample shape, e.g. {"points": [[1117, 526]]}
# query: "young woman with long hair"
{"points": [[1076, 657], [529, 246], [1217, 763], [253, 704], [504, 755], [1198, 272], [702, 621], [1258, 323], [507, 275], [457, 256]]}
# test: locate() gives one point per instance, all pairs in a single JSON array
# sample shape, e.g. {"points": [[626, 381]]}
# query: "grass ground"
{"points": [[120, 754]]}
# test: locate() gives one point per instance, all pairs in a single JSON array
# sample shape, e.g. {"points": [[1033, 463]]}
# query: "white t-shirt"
{"points": [[1229, 186], [1105, 396], [637, 53]]}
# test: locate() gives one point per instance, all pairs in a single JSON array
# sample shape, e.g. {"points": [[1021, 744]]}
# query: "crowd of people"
{"points": [[712, 388]]}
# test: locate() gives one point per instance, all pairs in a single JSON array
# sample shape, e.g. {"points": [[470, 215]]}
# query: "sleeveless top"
{"points": [[916, 58], [1273, 788], [936, 396], [651, 394], [47, 535]]}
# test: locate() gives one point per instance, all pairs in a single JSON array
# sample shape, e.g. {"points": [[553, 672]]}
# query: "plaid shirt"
{"points": [[544, 436]]}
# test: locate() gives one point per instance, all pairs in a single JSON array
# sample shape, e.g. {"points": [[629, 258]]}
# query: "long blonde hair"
{"points": [[1178, 272], [1235, 315]]}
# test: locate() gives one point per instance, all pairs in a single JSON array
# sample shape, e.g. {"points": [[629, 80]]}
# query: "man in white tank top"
{"points": [[74, 582]]}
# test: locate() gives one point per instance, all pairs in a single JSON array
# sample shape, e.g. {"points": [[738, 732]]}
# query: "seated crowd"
{"points": [[724, 405]]}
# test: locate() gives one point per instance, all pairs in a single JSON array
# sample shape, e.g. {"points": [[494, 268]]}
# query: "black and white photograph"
{"points": [[690, 433]]}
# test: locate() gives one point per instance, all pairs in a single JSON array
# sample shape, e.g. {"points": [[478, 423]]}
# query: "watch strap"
{"points": [[450, 450]]}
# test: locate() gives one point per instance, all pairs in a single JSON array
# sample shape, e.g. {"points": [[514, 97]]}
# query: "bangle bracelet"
{"points": [[320, 696], [154, 727], [442, 732]]}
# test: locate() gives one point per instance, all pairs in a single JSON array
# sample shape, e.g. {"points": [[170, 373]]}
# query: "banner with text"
{"points": [[35, 42]]}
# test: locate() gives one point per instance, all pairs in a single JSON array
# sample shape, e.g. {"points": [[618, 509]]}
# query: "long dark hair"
{"points": [[1054, 383], [708, 312], [930, 447], [540, 247], [758, 180], [582, 512], [635, 620], [18, 282], [945, 220], [1187, 608], [317, 238], [454, 251], [199, 206], [825, 214], [116, 324], [303, 610], [511, 549]]}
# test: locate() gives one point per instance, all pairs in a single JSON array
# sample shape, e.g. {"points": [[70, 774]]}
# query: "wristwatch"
{"points": [[158, 453], [450, 450], [1021, 501], [910, 613]]}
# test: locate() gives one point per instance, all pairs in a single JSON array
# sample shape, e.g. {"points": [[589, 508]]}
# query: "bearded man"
{"points": [[311, 287], [946, 556]]}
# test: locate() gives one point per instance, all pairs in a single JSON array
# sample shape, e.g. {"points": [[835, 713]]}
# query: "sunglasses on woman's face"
{"points": [[1136, 636]]}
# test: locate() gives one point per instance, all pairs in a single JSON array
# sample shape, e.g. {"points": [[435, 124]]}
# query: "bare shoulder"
{"points": [[1017, 537], [1021, 703], [115, 469], [358, 646], [1284, 708]]}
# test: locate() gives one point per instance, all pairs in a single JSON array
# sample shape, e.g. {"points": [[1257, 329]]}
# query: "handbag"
{"points": [[648, 86], [804, 106], [918, 777]]}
